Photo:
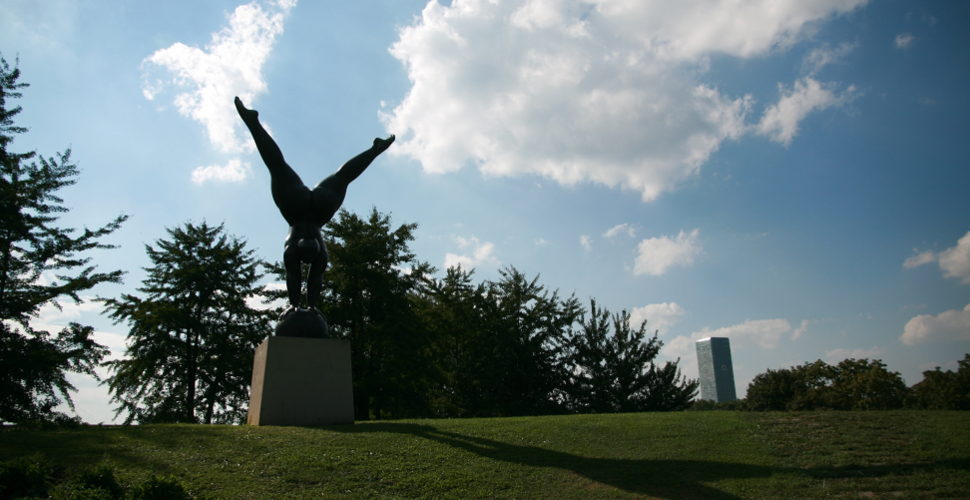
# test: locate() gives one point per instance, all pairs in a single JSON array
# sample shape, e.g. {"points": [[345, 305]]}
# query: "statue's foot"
{"points": [[380, 145], [245, 113]]}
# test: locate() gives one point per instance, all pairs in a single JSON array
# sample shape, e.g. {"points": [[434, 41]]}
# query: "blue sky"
{"points": [[794, 178]]}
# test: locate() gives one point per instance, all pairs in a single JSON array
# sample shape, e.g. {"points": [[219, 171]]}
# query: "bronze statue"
{"points": [[306, 211]]}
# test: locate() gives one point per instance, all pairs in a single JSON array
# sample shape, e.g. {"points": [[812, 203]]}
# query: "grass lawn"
{"points": [[652, 455]]}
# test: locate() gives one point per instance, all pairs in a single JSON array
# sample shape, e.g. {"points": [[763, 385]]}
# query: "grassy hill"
{"points": [[663, 455]]}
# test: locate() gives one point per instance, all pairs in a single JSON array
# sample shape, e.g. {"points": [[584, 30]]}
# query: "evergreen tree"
{"points": [[190, 348], [452, 310], [40, 263], [517, 364], [368, 292], [613, 368]]}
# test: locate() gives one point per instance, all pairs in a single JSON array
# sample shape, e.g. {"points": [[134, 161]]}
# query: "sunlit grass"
{"points": [[665, 455]]}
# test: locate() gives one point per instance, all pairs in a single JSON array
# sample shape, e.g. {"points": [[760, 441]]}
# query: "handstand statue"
{"points": [[306, 210]]}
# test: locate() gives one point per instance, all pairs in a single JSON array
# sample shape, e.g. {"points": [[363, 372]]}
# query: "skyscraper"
{"points": [[716, 371]]}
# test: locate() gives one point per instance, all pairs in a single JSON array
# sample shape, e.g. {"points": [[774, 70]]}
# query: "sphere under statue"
{"points": [[306, 211]]}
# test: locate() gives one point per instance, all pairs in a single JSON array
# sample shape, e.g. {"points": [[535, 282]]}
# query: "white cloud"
{"points": [[658, 316], [259, 304], [656, 255], [954, 261], [586, 242], [780, 121], [904, 40], [234, 170], [802, 328], [206, 80], [948, 325], [576, 91], [687, 30], [624, 228], [481, 253], [919, 259], [764, 332], [824, 56], [56, 315], [837, 355]]}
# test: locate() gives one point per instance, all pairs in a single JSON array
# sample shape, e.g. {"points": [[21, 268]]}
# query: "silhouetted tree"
{"points": [[452, 311], [773, 390], [862, 384], [423, 346], [944, 390], [612, 368], [368, 291], [853, 384], [190, 347], [525, 329], [40, 263]]}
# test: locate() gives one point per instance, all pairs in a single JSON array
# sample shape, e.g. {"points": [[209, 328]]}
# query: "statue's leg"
{"points": [[294, 278], [286, 184], [315, 279], [356, 165]]}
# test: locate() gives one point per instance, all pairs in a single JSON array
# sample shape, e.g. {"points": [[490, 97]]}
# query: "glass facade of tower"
{"points": [[716, 371]]}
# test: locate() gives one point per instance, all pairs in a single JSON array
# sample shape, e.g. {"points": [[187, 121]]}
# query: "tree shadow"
{"points": [[90, 445], [657, 478]]}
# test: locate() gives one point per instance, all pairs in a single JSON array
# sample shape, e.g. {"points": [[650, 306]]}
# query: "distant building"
{"points": [[716, 371]]}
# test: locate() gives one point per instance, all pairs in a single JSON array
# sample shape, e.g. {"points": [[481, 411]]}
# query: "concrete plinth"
{"points": [[301, 381]]}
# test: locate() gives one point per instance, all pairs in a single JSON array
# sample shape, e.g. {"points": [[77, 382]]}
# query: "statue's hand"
{"points": [[380, 145]]}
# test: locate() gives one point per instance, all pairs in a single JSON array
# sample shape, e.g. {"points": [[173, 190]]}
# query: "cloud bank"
{"points": [[603, 92]]}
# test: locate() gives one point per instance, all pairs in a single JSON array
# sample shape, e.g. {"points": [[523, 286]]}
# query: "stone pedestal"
{"points": [[301, 381]]}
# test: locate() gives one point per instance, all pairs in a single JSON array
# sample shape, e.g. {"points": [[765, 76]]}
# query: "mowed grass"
{"points": [[651, 455]]}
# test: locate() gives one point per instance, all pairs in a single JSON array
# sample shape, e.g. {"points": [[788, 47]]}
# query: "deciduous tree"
{"points": [[853, 384], [944, 390]]}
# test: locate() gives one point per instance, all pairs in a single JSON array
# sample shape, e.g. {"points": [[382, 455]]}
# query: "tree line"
{"points": [[423, 345], [856, 384]]}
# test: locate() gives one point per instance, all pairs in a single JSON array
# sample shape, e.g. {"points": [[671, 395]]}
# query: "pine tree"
{"points": [[193, 333], [40, 263]]}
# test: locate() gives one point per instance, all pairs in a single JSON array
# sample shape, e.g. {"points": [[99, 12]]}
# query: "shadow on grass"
{"points": [[94, 444], [661, 478]]}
